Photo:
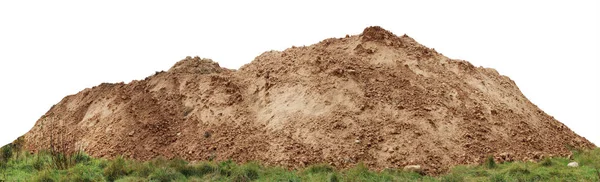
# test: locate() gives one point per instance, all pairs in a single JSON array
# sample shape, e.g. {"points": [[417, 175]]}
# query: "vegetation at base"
{"points": [[490, 163], [16, 165]]}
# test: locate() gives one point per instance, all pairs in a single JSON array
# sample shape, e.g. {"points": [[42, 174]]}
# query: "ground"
{"points": [[18, 165]]}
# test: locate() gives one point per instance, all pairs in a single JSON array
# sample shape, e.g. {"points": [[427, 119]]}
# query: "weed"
{"points": [[319, 168], [521, 174], [143, 169], [198, 171], [359, 173], [182, 166], [212, 157], [240, 178], [490, 163], [165, 174], [62, 157], [6, 153], [177, 163], [44, 176], [23, 156], [83, 173], [547, 162], [39, 163], [17, 146], [225, 168], [453, 177], [204, 168], [518, 170], [497, 178], [132, 179], [251, 173], [60, 161], [589, 158], [160, 162], [81, 157], [247, 172], [3, 166], [334, 178], [186, 170], [102, 163], [479, 173], [116, 169]]}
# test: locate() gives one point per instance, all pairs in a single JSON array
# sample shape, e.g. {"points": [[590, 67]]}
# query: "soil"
{"points": [[376, 98]]}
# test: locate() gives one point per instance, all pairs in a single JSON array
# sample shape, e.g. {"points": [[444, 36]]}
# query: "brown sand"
{"points": [[375, 98]]}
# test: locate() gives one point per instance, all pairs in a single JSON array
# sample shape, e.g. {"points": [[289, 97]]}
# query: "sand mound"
{"points": [[375, 98]]}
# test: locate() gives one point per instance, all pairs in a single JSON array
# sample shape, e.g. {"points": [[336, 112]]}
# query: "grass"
{"points": [[39, 167], [490, 163]]}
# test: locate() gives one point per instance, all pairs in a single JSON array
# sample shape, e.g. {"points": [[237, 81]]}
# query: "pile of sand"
{"points": [[375, 98]]}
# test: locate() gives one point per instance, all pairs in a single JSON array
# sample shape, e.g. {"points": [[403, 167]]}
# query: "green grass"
{"points": [[38, 167]]}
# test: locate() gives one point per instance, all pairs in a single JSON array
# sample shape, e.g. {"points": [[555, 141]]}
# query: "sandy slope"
{"points": [[375, 98]]}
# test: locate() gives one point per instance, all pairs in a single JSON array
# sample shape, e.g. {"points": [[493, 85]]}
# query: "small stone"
{"points": [[131, 133], [573, 164], [179, 134], [347, 160], [356, 141], [506, 156], [413, 168]]}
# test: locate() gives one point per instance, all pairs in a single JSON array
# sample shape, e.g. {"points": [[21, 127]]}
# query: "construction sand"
{"points": [[375, 98]]}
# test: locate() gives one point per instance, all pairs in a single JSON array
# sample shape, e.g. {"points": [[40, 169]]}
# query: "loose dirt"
{"points": [[376, 98]]}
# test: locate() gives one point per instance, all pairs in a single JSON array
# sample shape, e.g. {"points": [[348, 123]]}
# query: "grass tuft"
{"points": [[547, 162], [39, 163], [116, 169], [334, 177], [81, 157], [6, 153], [143, 169], [225, 168], [518, 170], [248, 172], [201, 170], [490, 163], [453, 177], [165, 174], [83, 173], [319, 168], [497, 178], [44, 176]]}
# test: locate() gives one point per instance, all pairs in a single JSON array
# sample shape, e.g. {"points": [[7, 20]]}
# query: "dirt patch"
{"points": [[375, 98]]}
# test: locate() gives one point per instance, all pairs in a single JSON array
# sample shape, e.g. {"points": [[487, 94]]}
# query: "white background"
{"points": [[50, 49]]}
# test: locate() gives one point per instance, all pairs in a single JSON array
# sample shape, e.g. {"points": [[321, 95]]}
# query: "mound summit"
{"points": [[376, 98]]}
